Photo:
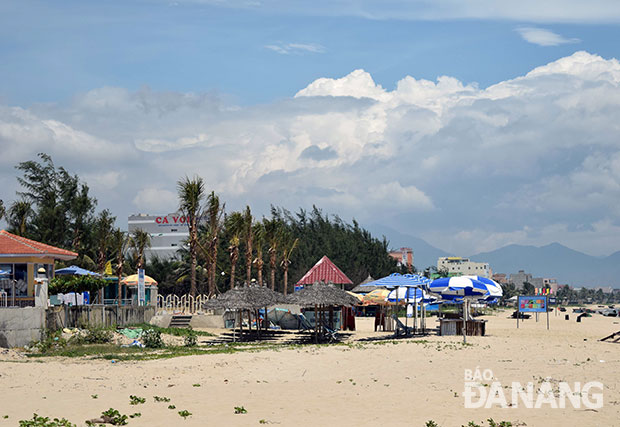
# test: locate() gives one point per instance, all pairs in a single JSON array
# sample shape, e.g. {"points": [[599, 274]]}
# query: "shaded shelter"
{"points": [[246, 298], [321, 296], [324, 271]]}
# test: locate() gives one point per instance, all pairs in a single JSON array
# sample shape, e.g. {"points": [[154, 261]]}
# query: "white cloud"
{"points": [[523, 161], [156, 200], [543, 37], [295, 48]]}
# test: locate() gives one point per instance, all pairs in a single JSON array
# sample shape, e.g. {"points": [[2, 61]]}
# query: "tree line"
{"points": [[55, 207]]}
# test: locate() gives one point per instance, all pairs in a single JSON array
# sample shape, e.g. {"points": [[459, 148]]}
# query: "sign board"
{"points": [[553, 300], [141, 291], [533, 304], [298, 288]]}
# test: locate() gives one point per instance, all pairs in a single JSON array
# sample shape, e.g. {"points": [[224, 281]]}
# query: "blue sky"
{"points": [[52, 50], [470, 124]]}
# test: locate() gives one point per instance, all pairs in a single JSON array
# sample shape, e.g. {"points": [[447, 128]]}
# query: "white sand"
{"points": [[407, 383]]}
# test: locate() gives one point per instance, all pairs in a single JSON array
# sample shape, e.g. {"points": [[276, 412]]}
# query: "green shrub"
{"points": [[135, 400], [191, 339], [112, 416], [51, 341], [38, 421], [151, 338], [93, 336]]}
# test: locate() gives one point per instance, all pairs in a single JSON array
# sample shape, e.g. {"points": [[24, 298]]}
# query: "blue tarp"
{"points": [[396, 280], [74, 270]]}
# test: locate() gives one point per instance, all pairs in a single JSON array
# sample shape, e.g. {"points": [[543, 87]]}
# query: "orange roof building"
{"points": [[21, 259]]}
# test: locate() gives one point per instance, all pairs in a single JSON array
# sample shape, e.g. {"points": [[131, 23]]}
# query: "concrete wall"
{"points": [[21, 326], [97, 315]]}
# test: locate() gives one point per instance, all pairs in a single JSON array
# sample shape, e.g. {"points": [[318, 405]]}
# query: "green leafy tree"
{"points": [[288, 246], [119, 241], [211, 236], [191, 195], [259, 241], [248, 234], [235, 224], [139, 241], [102, 233], [273, 236], [19, 216]]}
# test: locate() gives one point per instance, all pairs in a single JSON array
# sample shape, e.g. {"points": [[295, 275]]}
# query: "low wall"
{"points": [[97, 315], [21, 326]]}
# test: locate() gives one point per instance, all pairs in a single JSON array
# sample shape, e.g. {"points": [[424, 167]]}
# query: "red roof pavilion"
{"points": [[13, 245], [325, 271]]}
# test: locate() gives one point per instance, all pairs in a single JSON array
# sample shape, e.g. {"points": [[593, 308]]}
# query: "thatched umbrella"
{"points": [[319, 296], [249, 298]]}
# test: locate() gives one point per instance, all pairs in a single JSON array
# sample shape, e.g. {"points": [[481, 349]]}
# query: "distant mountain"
{"points": [[555, 260], [424, 254]]}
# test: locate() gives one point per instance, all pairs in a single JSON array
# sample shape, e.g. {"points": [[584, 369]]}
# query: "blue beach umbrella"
{"points": [[396, 280], [452, 288], [4, 273], [74, 270], [495, 291], [409, 294]]}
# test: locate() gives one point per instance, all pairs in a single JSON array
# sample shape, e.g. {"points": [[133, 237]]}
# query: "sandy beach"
{"points": [[407, 382]]}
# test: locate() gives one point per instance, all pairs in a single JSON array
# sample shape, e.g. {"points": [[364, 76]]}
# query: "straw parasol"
{"points": [[250, 298], [320, 296]]}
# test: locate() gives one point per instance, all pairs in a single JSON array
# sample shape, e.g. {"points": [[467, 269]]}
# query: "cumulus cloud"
{"points": [[543, 37], [295, 48], [522, 161]]}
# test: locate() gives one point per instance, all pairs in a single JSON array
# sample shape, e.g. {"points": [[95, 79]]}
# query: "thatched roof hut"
{"points": [[245, 298], [321, 294]]}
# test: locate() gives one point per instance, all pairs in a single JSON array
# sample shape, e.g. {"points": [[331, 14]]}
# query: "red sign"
{"points": [[171, 220]]}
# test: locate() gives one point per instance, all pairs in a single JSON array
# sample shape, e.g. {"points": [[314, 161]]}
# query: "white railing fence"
{"points": [[185, 303]]}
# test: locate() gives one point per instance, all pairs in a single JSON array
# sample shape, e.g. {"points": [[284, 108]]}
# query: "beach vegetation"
{"points": [[172, 407], [240, 410], [191, 339], [161, 399], [151, 338], [136, 400], [185, 413], [39, 421], [114, 417]]}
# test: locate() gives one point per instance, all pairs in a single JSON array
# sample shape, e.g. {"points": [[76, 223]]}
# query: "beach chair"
{"points": [[401, 329], [327, 333]]}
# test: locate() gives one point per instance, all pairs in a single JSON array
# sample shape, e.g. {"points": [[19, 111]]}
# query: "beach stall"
{"points": [[325, 271], [150, 289], [28, 266], [324, 300]]}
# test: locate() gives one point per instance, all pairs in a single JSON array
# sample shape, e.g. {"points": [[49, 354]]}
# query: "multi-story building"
{"points": [[463, 267], [168, 232], [404, 257], [518, 279]]}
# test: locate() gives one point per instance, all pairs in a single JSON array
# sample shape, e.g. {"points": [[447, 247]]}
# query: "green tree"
{"points": [[214, 212], [102, 232], [259, 241], [140, 241], [248, 235], [235, 223], [19, 216], [288, 246], [273, 236], [191, 195], [528, 288], [119, 241]]}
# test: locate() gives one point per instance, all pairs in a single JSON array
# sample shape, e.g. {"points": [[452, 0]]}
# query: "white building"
{"points": [[168, 232], [463, 267]]}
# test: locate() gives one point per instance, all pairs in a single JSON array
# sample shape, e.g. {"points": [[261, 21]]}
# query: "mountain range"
{"points": [[555, 260]]}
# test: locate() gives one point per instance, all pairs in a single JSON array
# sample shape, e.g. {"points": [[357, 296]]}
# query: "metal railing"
{"points": [[185, 303]]}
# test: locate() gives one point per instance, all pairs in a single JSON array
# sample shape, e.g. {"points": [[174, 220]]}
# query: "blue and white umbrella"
{"points": [[408, 294], [4, 273], [74, 270], [396, 280], [495, 291], [452, 288]]}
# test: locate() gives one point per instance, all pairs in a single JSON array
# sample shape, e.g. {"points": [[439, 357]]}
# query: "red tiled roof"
{"points": [[10, 244], [325, 271]]}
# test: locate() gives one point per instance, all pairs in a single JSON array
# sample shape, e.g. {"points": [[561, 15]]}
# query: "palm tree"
{"points": [[287, 249], [248, 233], [259, 240], [235, 226], [19, 216], [191, 193], [103, 228], [140, 241], [118, 243], [273, 236], [214, 213]]}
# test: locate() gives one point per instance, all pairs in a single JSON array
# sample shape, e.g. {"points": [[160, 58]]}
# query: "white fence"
{"points": [[185, 303]]}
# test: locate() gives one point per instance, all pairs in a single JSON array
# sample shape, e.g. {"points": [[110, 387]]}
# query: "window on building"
{"points": [[173, 229]]}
